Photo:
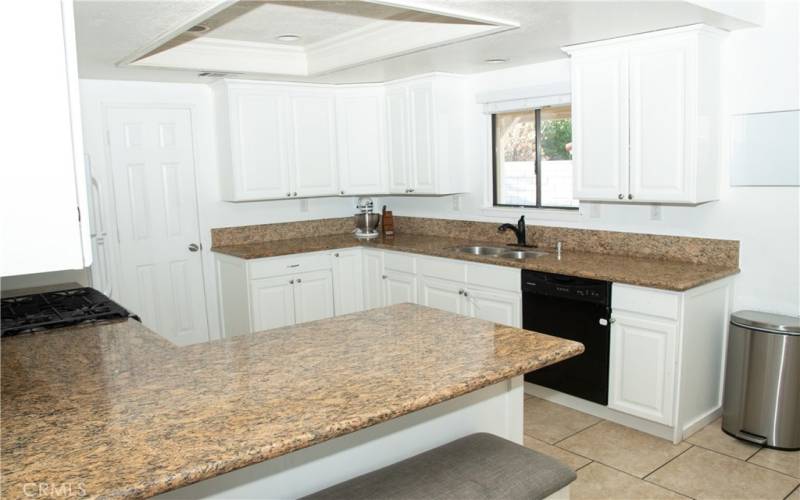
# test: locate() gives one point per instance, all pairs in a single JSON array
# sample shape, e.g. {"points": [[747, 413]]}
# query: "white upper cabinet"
{"points": [[600, 124], [43, 188], [425, 126], [361, 129], [313, 142], [258, 156], [646, 116], [276, 141]]}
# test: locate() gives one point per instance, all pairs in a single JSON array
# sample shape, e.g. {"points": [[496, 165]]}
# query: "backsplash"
{"points": [[242, 235], [654, 246], [674, 248]]}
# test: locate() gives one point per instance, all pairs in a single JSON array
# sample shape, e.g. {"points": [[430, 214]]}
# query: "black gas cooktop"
{"points": [[44, 311]]}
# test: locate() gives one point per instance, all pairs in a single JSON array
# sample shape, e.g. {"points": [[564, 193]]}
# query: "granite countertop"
{"points": [[116, 411], [653, 273]]}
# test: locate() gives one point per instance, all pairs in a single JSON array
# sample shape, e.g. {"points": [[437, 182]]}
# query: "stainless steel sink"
{"points": [[523, 254], [478, 250], [503, 252]]}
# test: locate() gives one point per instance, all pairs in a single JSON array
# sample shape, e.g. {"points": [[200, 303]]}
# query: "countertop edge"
{"points": [[342, 428], [661, 285]]}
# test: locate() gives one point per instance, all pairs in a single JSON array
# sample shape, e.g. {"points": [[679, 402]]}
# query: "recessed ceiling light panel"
{"points": [[496, 61], [288, 38]]}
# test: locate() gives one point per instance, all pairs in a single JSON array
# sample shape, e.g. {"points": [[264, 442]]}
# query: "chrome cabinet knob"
{"points": [[291, 282], [294, 194], [383, 277], [620, 196], [466, 293], [289, 194], [341, 192], [461, 291], [193, 247], [336, 255], [630, 196], [299, 280], [410, 190]]}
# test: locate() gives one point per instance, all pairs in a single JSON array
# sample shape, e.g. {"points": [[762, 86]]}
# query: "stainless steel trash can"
{"points": [[761, 400]]}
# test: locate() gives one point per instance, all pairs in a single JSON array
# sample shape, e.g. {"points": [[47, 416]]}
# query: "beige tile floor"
{"points": [[615, 462]]}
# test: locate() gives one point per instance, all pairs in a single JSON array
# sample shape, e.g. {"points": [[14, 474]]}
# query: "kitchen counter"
{"points": [[653, 273], [115, 410]]}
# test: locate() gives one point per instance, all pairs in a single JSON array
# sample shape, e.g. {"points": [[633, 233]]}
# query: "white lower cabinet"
{"points": [[373, 279], [642, 366], [292, 299], [399, 287], [313, 296], [442, 294], [272, 303], [497, 306], [348, 295]]}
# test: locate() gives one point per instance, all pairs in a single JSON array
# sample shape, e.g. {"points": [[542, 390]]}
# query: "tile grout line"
{"points": [[577, 432], [747, 462], [639, 478], [790, 493], [665, 463]]}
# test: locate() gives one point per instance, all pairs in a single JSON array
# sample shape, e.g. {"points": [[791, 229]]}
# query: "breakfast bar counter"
{"points": [[114, 410]]}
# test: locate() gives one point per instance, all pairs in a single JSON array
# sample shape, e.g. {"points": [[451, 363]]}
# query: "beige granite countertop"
{"points": [[116, 411], [654, 273]]}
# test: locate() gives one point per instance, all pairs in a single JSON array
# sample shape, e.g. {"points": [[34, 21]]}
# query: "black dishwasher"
{"points": [[577, 309]]}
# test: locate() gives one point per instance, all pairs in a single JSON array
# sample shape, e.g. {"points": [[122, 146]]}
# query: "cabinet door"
{"points": [[271, 303], [362, 139], [373, 281], [642, 367], [313, 139], [400, 288], [421, 131], [42, 182], [442, 294], [659, 145], [347, 282], [313, 296], [495, 305], [397, 139], [600, 125], [258, 153]]}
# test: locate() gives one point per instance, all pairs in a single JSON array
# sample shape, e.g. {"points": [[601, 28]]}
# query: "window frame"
{"points": [[537, 167]]}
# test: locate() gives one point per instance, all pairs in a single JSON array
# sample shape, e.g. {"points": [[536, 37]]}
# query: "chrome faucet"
{"points": [[519, 231]]}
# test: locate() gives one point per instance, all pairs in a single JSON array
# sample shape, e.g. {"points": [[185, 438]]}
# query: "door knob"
{"points": [[193, 247]]}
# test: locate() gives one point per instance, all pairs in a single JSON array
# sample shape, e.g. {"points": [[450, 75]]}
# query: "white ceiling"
{"points": [[111, 31]]}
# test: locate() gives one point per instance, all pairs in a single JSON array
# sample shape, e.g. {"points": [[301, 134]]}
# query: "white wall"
{"points": [[761, 74], [213, 212]]}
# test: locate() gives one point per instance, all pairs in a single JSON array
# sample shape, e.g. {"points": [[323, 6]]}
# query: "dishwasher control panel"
{"points": [[558, 285]]}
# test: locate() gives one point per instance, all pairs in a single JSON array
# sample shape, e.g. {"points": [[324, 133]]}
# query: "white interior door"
{"points": [[152, 163]]}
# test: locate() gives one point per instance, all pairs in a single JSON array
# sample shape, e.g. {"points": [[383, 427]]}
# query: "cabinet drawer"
{"points": [[447, 269], [498, 277], [278, 266], [399, 262], [645, 301]]}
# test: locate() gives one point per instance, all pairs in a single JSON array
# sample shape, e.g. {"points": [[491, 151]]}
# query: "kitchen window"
{"points": [[532, 158]]}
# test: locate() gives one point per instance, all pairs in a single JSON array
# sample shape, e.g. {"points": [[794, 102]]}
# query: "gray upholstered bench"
{"points": [[478, 466]]}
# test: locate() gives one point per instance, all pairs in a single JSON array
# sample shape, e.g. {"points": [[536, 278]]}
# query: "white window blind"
{"points": [[502, 101]]}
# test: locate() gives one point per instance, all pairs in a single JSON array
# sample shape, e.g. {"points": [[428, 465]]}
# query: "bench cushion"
{"points": [[478, 466]]}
